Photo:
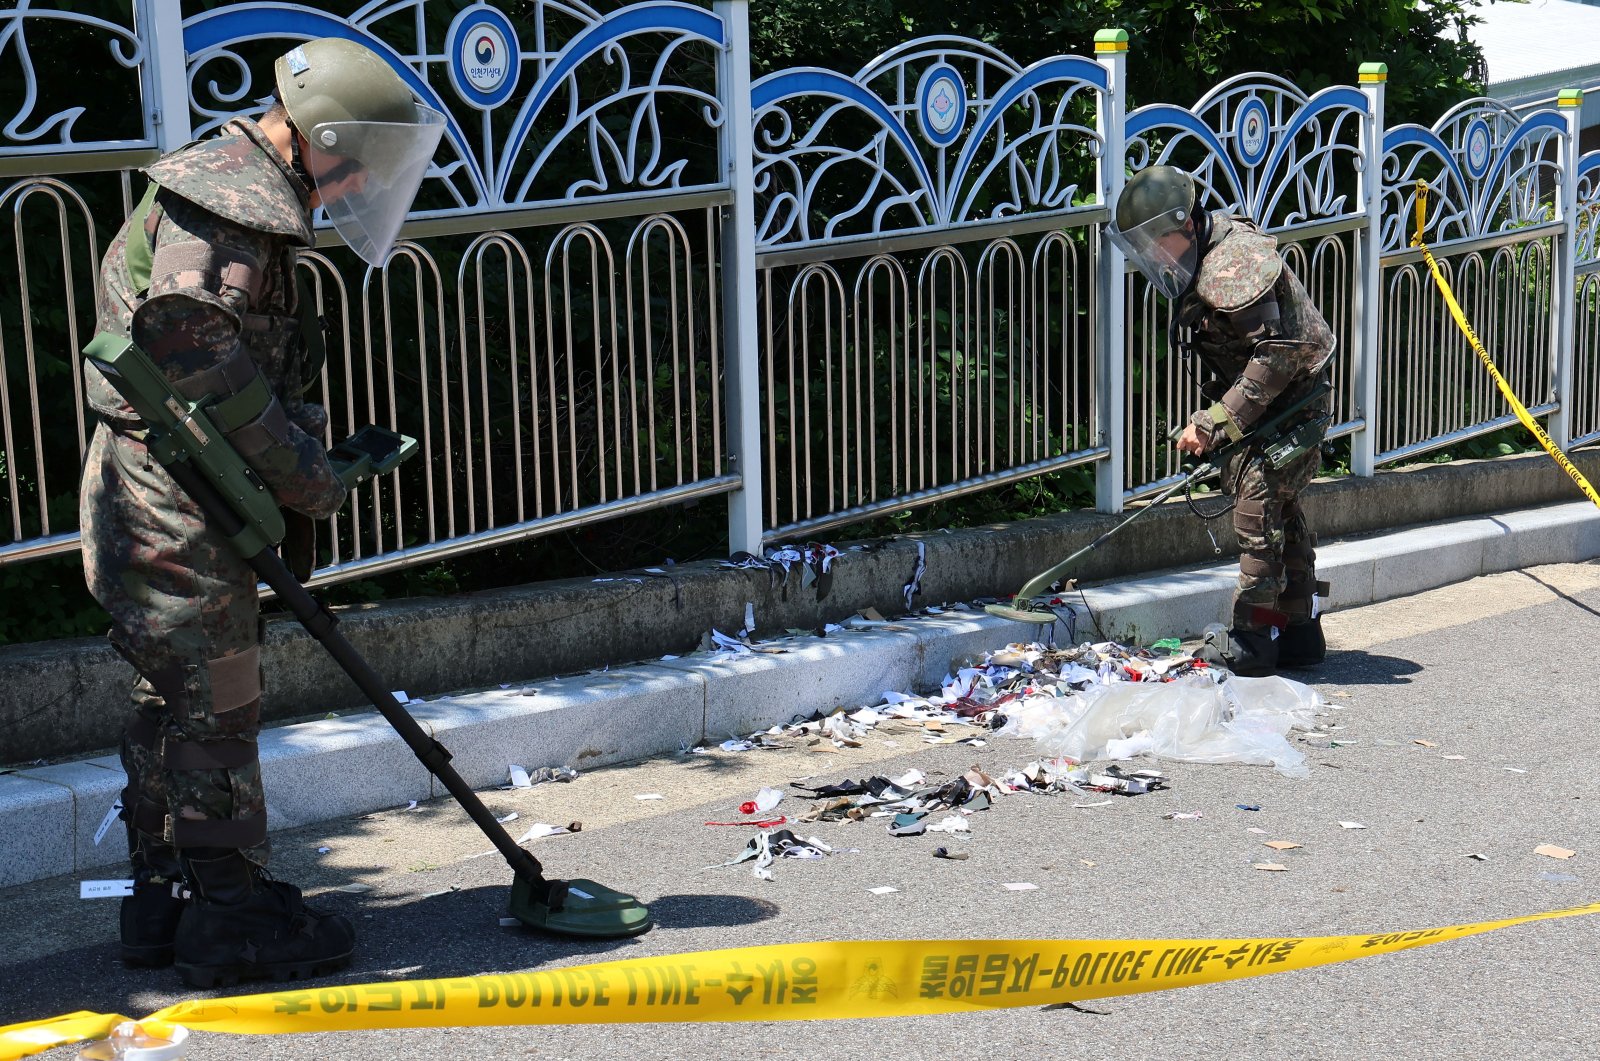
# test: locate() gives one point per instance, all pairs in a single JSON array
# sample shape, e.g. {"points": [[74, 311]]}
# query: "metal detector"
{"points": [[1278, 447], [183, 438]]}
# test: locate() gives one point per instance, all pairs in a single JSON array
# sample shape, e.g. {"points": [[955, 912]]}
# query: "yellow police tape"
{"points": [[796, 981], [1483, 355]]}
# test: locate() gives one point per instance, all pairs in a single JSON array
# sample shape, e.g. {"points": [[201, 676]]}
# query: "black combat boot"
{"points": [[1302, 644], [149, 923], [1247, 653], [241, 925], [149, 917]]}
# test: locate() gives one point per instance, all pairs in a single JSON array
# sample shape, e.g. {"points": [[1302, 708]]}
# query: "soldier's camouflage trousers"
{"points": [[185, 613], [1277, 551]]}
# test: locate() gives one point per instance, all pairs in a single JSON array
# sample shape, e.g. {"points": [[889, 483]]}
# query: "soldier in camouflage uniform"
{"points": [[202, 278], [1266, 345]]}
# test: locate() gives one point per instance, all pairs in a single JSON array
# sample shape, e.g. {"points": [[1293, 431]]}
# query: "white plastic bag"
{"points": [[1194, 719]]}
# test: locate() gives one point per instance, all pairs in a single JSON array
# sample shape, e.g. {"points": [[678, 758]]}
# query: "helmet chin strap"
{"points": [[1202, 228], [296, 165]]}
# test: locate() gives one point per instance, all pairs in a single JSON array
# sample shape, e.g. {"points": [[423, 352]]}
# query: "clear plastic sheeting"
{"points": [[1198, 717]]}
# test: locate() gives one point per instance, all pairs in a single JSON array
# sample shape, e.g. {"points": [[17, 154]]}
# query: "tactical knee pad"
{"points": [[209, 754]]}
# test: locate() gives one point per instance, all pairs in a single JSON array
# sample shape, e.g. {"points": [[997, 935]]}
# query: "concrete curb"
{"points": [[352, 765]]}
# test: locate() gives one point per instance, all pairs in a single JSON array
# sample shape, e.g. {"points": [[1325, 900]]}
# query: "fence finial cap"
{"points": [[1374, 72], [1111, 40], [1570, 97]]}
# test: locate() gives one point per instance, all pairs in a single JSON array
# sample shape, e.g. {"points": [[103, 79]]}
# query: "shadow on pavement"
{"points": [[1355, 667], [450, 934], [1563, 594], [710, 911]]}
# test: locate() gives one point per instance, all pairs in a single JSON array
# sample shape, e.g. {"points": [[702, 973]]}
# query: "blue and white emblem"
{"points": [[941, 104], [1250, 128], [1478, 151], [484, 57]]}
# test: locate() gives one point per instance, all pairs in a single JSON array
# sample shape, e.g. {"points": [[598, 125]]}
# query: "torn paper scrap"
{"points": [[1271, 867], [1552, 851]]}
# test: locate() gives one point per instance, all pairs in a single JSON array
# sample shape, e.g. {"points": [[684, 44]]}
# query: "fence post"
{"points": [[1369, 263], [1564, 273], [741, 363], [1111, 51], [160, 26]]}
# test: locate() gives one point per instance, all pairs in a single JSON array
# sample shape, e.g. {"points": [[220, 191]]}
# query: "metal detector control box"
{"points": [[370, 452]]}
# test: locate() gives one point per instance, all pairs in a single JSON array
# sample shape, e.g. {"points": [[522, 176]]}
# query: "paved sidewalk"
{"points": [[1494, 673]]}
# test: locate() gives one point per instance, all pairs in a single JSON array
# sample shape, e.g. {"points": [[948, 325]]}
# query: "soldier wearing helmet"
{"points": [[1254, 328], [202, 278]]}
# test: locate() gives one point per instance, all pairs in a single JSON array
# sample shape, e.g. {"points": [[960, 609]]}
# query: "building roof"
{"points": [[1536, 48]]}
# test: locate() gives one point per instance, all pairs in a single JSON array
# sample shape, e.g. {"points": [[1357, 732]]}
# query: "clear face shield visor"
{"points": [[367, 174], [1163, 248]]}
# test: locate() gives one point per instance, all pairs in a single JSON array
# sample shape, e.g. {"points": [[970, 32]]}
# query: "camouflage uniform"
{"points": [[1254, 325], [218, 319]]}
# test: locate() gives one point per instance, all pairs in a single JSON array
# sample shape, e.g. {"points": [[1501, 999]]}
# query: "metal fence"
{"points": [[633, 278]]}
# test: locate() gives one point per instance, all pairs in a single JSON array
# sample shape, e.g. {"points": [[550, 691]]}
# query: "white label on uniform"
{"points": [[104, 889], [105, 823]]}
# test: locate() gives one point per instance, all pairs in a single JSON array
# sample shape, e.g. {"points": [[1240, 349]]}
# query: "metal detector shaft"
{"points": [[322, 625], [1264, 430], [1043, 580]]}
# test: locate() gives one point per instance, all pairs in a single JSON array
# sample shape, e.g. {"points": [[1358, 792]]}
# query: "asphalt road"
{"points": [[1497, 671]]}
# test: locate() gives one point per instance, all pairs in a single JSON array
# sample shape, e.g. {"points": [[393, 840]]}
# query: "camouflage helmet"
{"points": [[368, 140], [1155, 228], [336, 80], [1153, 192]]}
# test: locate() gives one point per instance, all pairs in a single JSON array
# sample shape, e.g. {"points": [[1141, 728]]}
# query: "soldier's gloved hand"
{"points": [[1192, 442], [1201, 435], [310, 418]]}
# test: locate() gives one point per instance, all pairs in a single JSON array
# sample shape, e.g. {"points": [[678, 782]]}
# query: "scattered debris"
{"points": [[1425, 743], [1351, 825], [884, 890], [1281, 845], [1477, 857], [649, 796], [1248, 806], [1271, 867], [1552, 851], [945, 852], [523, 778], [1020, 886], [543, 829], [1182, 816], [765, 800]]}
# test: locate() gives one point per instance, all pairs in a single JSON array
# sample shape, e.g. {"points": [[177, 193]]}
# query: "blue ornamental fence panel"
{"points": [[1259, 148], [926, 241], [1495, 225], [1585, 391]]}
